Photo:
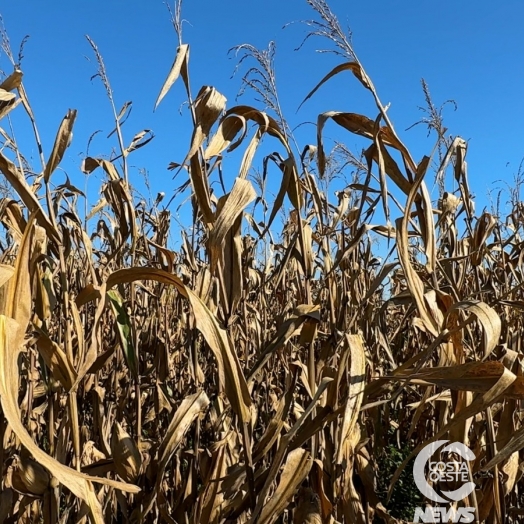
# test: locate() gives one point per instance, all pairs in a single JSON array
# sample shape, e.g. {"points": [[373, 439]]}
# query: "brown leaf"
{"points": [[240, 196], [13, 81], [56, 360], [190, 408], [296, 469], [357, 384], [17, 181], [62, 141], [354, 67], [182, 55], [228, 129]]}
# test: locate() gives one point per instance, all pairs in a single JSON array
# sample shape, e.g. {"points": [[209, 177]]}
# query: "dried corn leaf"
{"points": [[6, 272], [182, 55], [296, 469], [241, 195], [126, 455], [209, 105], [488, 318], [62, 142], [413, 281], [17, 181], [13, 81], [8, 102], [354, 67], [226, 133], [56, 360], [190, 408], [90, 164], [357, 370], [479, 377]]}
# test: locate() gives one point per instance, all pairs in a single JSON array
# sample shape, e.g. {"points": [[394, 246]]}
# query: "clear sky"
{"points": [[467, 51]]}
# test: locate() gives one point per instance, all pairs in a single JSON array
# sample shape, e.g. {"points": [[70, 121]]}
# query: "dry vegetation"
{"points": [[255, 375]]}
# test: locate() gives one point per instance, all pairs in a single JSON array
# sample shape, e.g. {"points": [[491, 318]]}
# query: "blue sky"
{"points": [[467, 52]]}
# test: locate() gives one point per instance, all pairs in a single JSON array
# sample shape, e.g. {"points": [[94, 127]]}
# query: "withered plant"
{"points": [[260, 373]]}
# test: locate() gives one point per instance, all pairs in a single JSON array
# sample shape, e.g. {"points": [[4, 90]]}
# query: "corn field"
{"points": [[264, 371]]}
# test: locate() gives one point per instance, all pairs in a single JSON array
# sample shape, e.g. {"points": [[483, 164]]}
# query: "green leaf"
{"points": [[124, 330]]}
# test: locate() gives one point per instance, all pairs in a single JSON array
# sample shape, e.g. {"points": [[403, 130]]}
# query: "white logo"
{"points": [[439, 471]]}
